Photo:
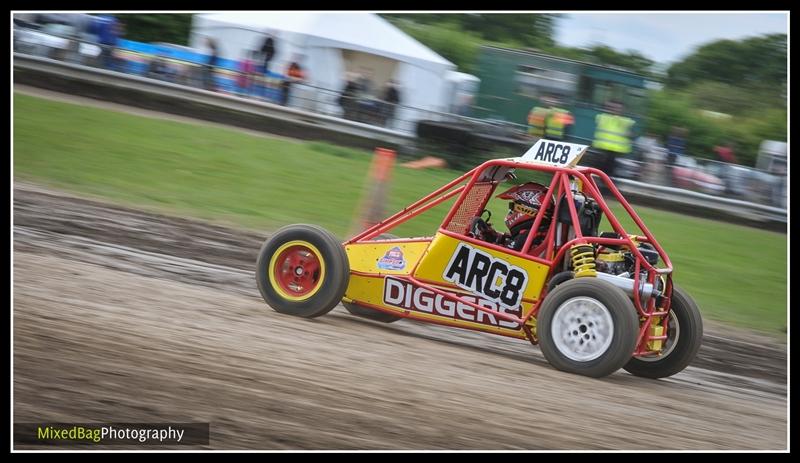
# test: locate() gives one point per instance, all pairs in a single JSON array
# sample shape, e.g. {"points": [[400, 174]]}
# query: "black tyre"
{"points": [[684, 336], [366, 312], [587, 326], [302, 270]]}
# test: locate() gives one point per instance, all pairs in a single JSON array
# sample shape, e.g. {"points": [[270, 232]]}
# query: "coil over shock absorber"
{"points": [[583, 260]]}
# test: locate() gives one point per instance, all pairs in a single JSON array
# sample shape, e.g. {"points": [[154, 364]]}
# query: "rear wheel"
{"points": [[587, 326], [302, 270], [369, 313], [684, 336]]}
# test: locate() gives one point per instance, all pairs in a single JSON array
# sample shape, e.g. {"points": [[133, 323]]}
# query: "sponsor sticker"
{"points": [[392, 260], [405, 295]]}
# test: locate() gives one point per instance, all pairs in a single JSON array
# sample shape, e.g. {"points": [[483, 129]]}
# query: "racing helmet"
{"points": [[525, 201]]}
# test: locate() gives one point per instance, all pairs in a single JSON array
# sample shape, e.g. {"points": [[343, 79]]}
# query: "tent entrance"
{"points": [[377, 69]]}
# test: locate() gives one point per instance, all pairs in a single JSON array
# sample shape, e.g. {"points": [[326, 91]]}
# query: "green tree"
{"points": [[719, 97], [530, 30], [631, 60], [526, 30], [446, 39], [668, 108], [170, 28], [758, 62], [458, 38]]}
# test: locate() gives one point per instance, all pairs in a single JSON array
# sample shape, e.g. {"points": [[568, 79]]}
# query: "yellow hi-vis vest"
{"points": [[536, 121], [557, 119], [611, 133]]}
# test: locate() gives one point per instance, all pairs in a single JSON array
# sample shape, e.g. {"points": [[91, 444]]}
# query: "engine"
{"points": [[621, 261], [617, 264], [612, 262]]}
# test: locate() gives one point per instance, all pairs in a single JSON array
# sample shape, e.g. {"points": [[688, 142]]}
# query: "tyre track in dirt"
{"points": [[110, 279]]}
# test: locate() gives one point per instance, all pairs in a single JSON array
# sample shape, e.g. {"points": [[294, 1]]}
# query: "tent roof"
{"points": [[365, 32]]}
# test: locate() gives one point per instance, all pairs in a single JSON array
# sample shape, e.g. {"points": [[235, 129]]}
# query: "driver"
{"points": [[525, 201]]}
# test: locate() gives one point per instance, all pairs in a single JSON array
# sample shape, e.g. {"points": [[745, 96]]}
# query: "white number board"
{"points": [[554, 153]]}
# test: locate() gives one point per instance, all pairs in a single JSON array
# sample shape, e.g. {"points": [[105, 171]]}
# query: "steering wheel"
{"points": [[479, 227]]}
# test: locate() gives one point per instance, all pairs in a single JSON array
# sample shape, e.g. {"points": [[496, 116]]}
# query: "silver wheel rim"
{"points": [[582, 329], [673, 333]]}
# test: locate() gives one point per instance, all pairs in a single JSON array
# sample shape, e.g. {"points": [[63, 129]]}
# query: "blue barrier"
{"points": [[136, 58]]}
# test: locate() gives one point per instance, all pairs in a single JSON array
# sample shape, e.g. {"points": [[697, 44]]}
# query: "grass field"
{"points": [[737, 274]]}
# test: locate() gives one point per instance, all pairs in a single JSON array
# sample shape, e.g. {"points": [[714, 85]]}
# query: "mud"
{"points": [[130, 316]]}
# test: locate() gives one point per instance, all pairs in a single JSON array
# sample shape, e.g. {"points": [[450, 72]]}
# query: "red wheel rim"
{"points": [[297, 270]]}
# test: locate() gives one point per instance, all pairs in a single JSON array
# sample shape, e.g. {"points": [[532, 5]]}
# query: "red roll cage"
{"points": [[475, 188]]}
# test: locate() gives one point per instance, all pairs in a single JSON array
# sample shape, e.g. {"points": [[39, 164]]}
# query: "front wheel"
{"points": [[302, 270], [684, 336], [587, 326]]}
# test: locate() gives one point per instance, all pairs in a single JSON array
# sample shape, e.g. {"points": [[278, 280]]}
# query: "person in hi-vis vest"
{"points": [[612, 136], [558, 121], [549, 120], [536, 121]]}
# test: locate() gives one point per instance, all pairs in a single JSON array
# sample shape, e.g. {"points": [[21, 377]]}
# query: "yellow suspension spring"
{"points": [[583, 260]]}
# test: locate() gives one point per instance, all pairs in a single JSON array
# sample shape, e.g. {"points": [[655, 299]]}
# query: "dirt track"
{"points": [[121, 315]]}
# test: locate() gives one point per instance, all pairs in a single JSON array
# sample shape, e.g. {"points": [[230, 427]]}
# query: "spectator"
{"points": [[213, 60], [368, 108], [463, 104], [119, 32], [536, 121], [364, 85], [108, 31], [725, 153], [158, 69], [645, 143], [612, 136], [391, 98], [676, 144], [245, 81], [294, 74], [267, 52], [559, 121], [653, 156], [348, 97], [676, 147]]}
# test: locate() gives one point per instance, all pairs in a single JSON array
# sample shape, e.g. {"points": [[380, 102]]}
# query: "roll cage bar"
{"points": [[475, 188]]}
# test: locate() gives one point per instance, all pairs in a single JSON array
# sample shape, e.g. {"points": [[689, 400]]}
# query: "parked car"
{"points": [[773, 158], [627, 167], [687, 173], [736, 178], [56, 41], [747, 183], [645, 163]]}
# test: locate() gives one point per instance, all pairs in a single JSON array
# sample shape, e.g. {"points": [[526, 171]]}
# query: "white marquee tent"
{"points": [[329, 45]]}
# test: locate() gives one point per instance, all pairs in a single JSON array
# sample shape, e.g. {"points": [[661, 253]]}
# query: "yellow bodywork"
{"points": [[364, 257], [374, 282], [655, 329]]}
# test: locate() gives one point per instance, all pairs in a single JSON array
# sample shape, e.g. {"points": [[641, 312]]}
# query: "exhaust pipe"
{"points": [[646, 290]]}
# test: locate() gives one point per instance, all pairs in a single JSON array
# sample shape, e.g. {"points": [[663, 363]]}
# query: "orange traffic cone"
{"points": [[372, 208]]}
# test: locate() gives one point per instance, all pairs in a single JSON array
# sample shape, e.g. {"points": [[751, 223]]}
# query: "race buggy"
{"points": [[593, 301]]}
